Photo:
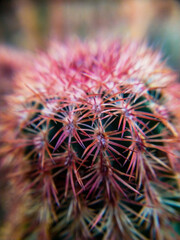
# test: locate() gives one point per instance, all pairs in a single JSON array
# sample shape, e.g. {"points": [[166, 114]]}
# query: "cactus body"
{"points": [[90, 145]]}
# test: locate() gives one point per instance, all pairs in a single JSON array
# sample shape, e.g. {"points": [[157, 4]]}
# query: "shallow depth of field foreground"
{"points": [[90, 144]]}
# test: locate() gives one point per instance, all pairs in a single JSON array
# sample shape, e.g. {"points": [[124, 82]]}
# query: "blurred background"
{"points": [[29, 24]]}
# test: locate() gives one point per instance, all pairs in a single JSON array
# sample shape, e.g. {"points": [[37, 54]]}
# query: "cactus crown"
{"points": [[87, 136]]}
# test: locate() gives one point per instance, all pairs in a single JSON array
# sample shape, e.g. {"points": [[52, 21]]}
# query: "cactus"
{"points": [[90, 145]]}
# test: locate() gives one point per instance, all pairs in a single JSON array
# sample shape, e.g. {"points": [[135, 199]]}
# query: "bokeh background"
{"points": [[29, 24]]}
